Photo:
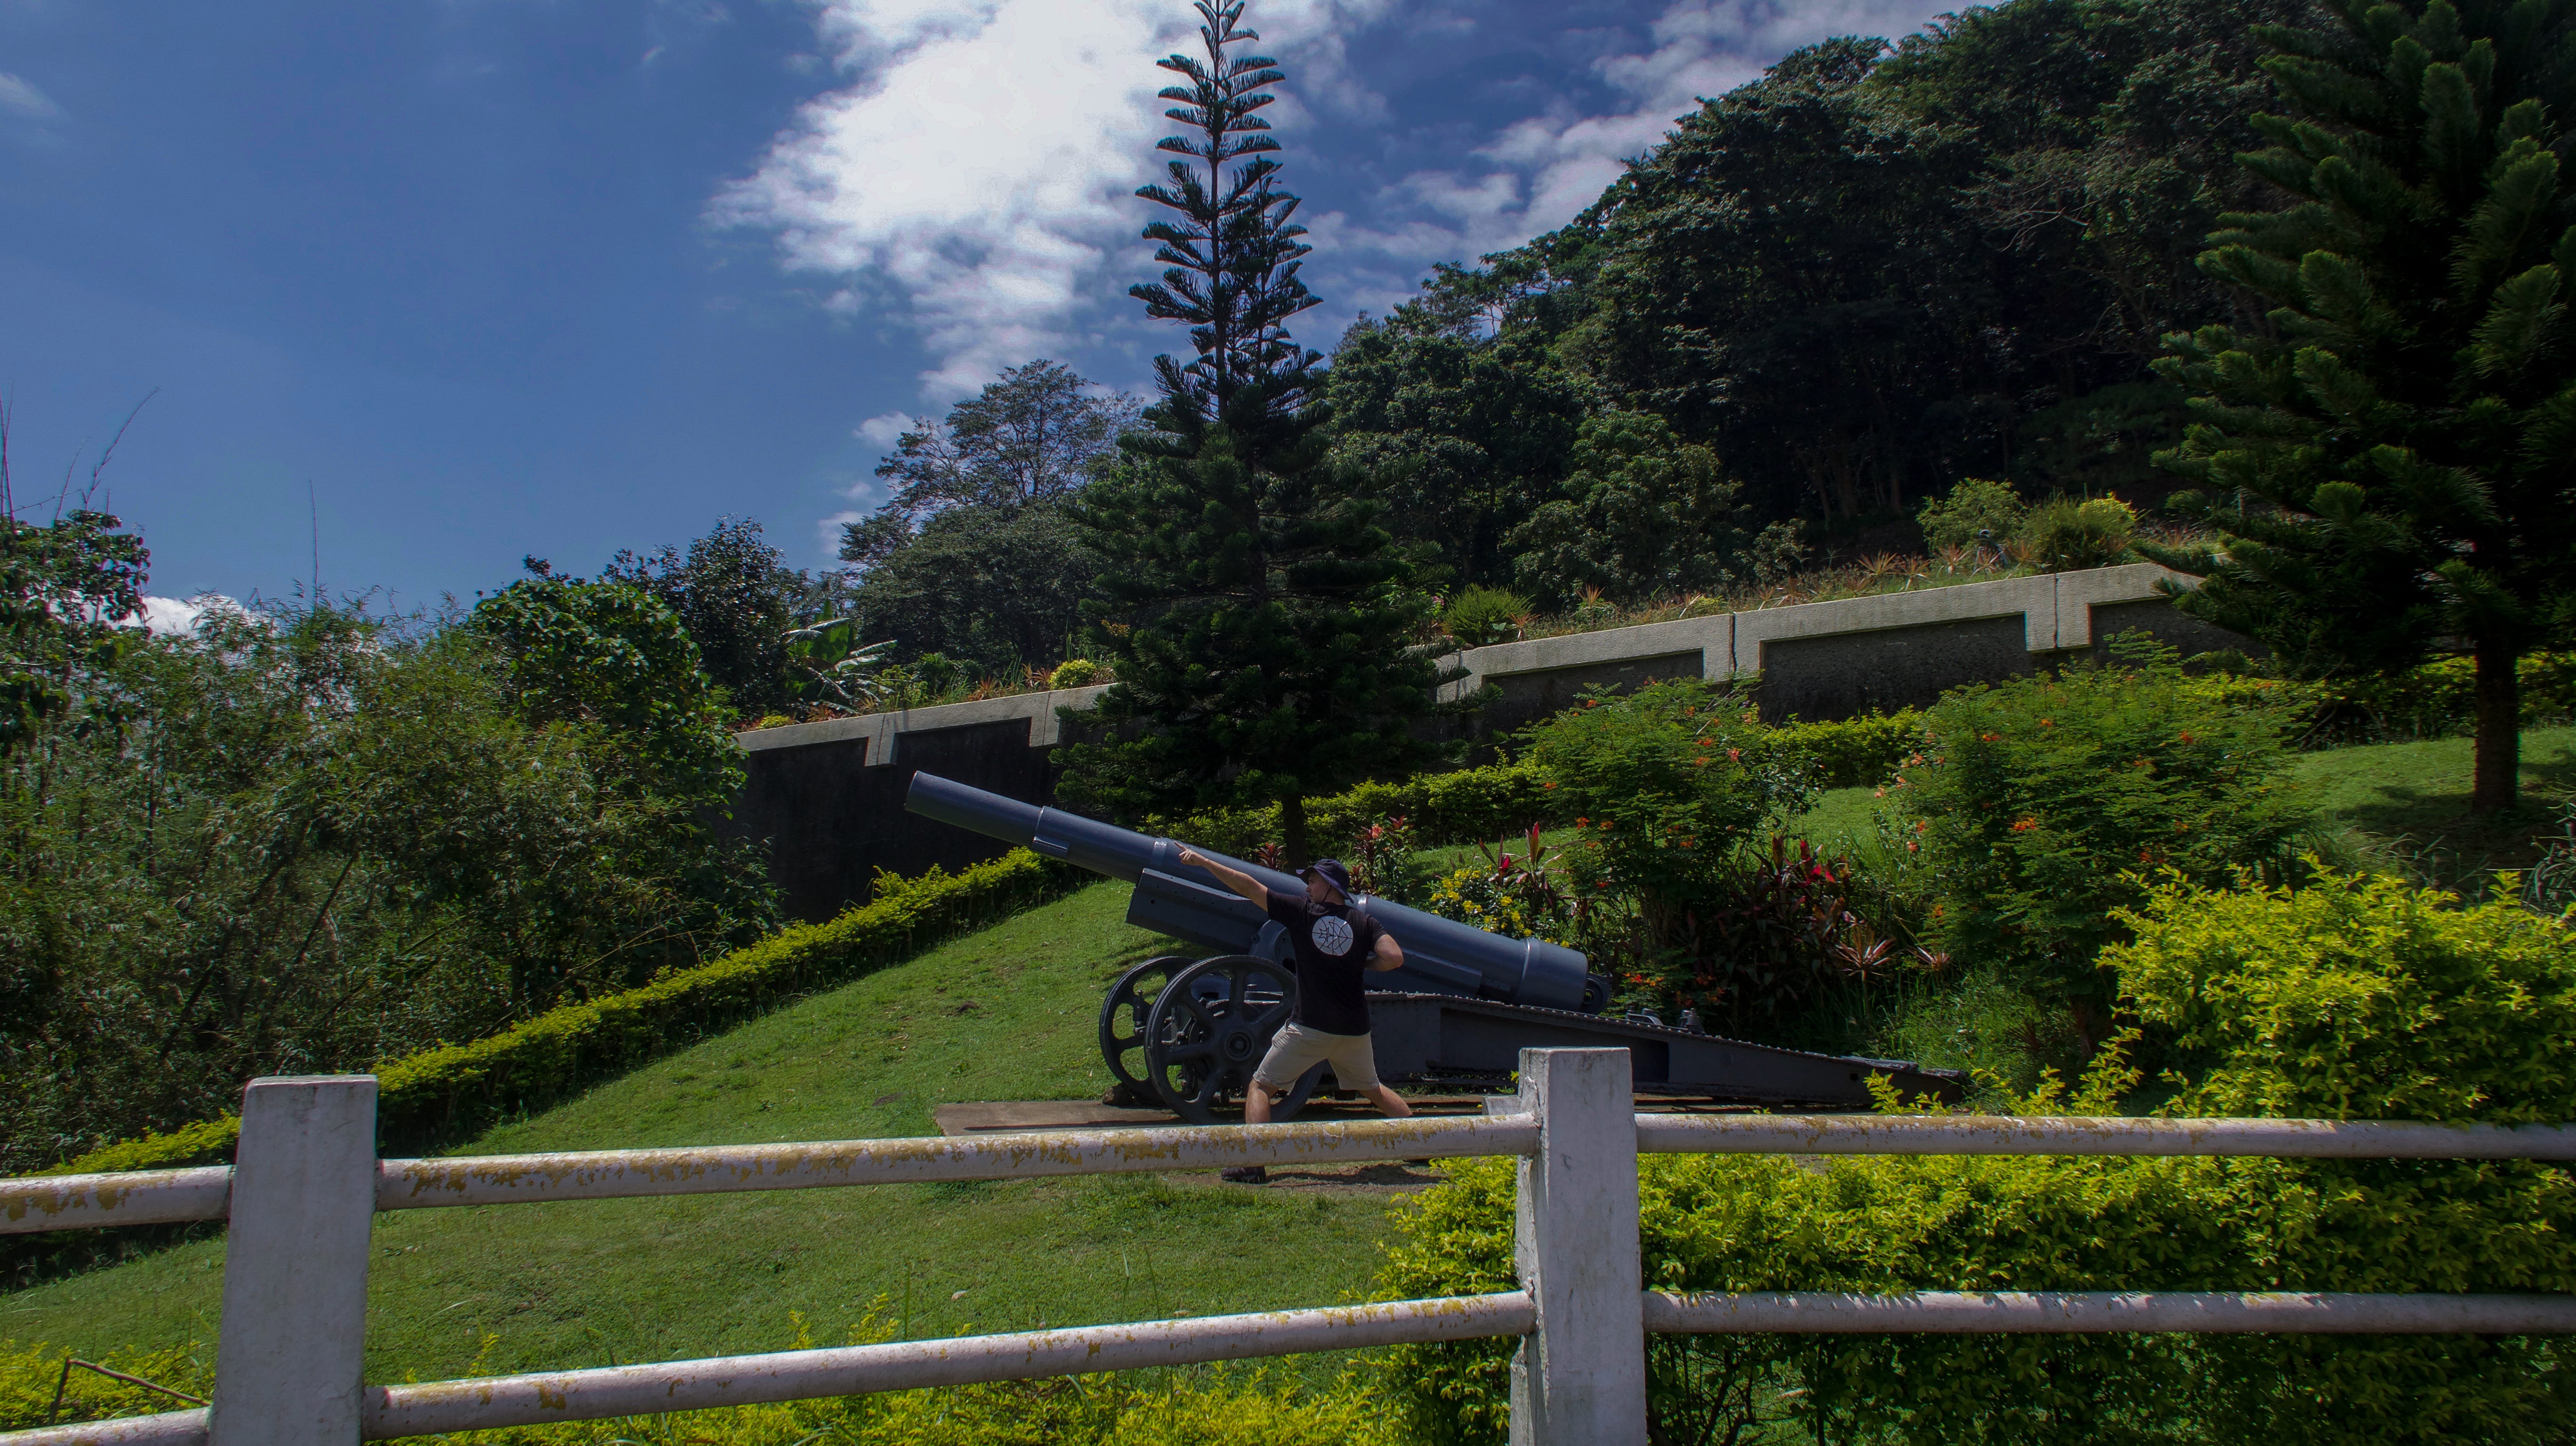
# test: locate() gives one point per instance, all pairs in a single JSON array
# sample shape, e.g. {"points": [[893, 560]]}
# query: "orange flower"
{"points": [[2186, 735], [1580, 822], [2024, 825], [1734, 754], [1547, 785], [2045, 723]]}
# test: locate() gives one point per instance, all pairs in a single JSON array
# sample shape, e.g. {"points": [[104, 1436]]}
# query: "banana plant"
{"points": [[831, 663]]}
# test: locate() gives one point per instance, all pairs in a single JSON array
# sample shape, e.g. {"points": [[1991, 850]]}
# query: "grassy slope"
{"points": [[1004, 1014]]}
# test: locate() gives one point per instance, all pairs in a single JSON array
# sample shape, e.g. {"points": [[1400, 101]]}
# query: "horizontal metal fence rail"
{"points": [[644, 1390], [2095, 1135], [154, 1197], [2107, 1313], [1579, 1382]]}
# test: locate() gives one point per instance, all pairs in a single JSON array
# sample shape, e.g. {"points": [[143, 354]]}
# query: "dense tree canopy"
{"points": [[972, 555], [2393, 453], [1866, 274]]}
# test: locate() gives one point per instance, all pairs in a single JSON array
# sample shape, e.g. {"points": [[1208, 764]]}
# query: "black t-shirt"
{"points": [[1334, 943]]}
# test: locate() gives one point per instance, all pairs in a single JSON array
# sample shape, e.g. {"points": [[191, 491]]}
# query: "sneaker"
{"points": [[1245, 1174]]}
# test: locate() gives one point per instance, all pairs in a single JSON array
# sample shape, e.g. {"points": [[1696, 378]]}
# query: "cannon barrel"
{"points": [[1441, 956]]}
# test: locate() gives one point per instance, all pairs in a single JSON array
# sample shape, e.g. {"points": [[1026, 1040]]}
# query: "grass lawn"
{"points": [[1004, 1014]]}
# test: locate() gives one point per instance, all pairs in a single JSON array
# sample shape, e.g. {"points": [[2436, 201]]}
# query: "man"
{"points": [[1336, 945]]}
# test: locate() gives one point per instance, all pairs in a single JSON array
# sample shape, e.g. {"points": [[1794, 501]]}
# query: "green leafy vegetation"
{"points": [[2388, 454], [1006, 1013], [311, 840], [2041, 806], [2349, 999]]}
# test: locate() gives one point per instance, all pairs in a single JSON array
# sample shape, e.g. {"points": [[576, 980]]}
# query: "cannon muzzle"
{"points": [[1441, 956]]}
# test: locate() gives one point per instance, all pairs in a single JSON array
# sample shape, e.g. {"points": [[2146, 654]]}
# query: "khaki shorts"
{"points": [[1297, 1049]]}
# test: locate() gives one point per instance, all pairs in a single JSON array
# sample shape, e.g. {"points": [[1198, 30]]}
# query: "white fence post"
{"points": [[291, 1353], [1580, 1377]]}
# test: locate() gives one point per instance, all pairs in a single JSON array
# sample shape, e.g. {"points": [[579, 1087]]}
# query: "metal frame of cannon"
{"points": [[1189, 1031]]}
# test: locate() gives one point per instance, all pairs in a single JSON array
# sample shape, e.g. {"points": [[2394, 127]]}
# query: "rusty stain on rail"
{"points": [[133, 1197]]}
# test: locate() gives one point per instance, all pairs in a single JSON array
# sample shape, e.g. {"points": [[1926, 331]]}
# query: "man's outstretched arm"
{"points": [[1235, 879]]}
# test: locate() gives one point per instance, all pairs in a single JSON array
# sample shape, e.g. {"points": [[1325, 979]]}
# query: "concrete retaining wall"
{"points": [[829, 796]]}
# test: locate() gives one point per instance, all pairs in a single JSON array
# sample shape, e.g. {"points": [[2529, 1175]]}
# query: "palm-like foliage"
{"points": [[2391, 460]]}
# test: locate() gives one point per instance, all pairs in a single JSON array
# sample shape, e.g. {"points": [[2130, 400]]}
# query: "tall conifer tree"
{"points": [[2393, 460], [1254, 610]]}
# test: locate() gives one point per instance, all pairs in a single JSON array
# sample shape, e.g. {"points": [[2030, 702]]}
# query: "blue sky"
{"points": [[474, 279]]}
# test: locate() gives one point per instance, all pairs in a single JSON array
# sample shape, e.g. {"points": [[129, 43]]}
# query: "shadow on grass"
{"points": [[2407, 806]]}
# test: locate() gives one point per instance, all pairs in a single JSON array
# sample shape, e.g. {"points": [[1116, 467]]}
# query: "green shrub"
{"points": [[1219, 1406], [938, 675], [1469, 805], [1853, 752], [2349, 999], [1483, 615], [449, 1091], [2440, 697], [2042, 805], [1074, 673], [1974, 505], [2066, 534]]}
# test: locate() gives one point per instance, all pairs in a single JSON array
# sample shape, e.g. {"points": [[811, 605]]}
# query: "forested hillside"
{"points": [[1824, 298]]}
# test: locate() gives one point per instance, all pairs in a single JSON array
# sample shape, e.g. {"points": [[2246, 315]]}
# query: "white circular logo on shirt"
{"points": [[1332, 935]]}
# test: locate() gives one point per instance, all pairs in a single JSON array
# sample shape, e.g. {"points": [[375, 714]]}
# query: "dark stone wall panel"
{"points": [[829, 822], [1528, 697], [1851, 673]]}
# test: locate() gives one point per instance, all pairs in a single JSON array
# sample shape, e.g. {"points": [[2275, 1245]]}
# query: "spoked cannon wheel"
{"points": [[1122, 1020], [1208, 1030]]}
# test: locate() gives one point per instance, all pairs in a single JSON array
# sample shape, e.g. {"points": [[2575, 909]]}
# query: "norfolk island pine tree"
{"points": [[1255, 611], [2390, 456]]}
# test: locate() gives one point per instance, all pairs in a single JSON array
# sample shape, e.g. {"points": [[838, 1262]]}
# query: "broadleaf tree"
{"points": [[2392, 460], [1257, 614]]}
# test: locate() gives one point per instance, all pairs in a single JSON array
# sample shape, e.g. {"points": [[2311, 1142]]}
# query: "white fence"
{"points": [[306, 1184]]}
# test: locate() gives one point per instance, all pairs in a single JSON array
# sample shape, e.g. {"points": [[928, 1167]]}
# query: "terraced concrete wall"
{"points": [[828, 797]]}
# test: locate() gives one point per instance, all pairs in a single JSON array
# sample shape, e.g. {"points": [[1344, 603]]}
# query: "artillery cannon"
{"points": [[1190, 1031]]}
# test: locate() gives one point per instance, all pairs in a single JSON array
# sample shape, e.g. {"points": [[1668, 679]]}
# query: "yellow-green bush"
{"points": [[29, 1375], [460, 1087], [1189, 1407], [1853, 752], [2349, 999]]}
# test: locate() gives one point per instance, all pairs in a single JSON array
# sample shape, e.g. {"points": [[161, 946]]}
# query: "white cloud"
{"points": [[827, 532], [979, 168], [169, 617], [885, 430], [22, 97]]}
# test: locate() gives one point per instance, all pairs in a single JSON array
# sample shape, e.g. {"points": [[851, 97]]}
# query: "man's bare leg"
{"points": [[1387, 1101], [1256, 1111]]}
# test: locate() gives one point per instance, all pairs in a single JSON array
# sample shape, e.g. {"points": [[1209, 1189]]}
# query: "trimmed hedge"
{"points": [[1480, 805], [1469, 805], [1854, 752], [459, 1088]]}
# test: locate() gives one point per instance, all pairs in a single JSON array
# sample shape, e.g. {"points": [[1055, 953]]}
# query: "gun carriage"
{"points": [[1190, 1030]]}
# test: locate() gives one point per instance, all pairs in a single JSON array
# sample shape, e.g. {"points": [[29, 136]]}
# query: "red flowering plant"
{"points": [[2042, 807], [1782, 931], [1383, 859], [1667, 784]]}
